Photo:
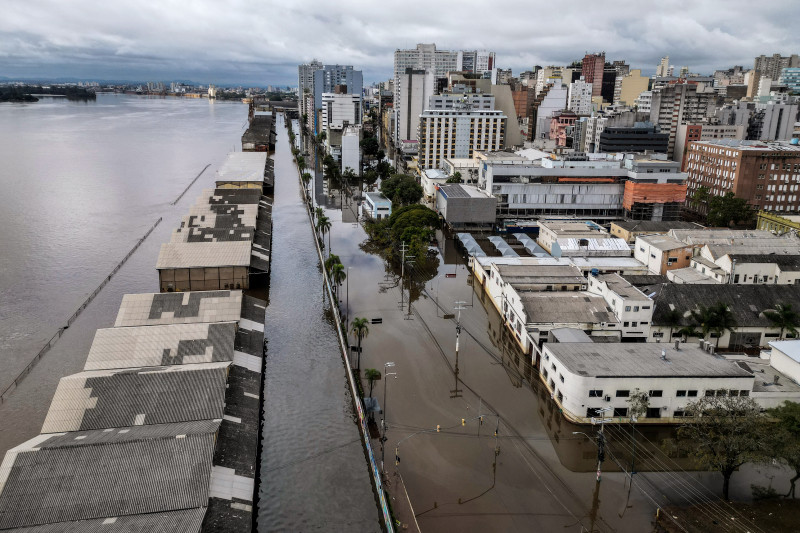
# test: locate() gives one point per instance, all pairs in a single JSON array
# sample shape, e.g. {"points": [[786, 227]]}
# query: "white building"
{"points": [[430, 178], [340, 110], [580, 97], [785, 358], [414, 90], [633, 309], [554, 100], [457, 100], [305, 86], [585, 377], [351, 149], [457, 133], [376, 206]]}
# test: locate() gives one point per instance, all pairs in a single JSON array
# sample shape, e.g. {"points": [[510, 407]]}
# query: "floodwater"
{"points": [[81, 183], [314, 474], [535, 474]]}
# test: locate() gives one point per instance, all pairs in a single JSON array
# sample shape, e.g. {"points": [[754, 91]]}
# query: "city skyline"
{"points": [[212, 43]]}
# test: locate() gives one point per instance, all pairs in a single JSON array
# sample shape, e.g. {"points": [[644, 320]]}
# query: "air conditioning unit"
{"points": [[607, 398]]}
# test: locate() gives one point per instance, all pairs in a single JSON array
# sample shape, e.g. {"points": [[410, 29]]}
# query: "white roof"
{"points": [[203, 254], [152, 309], [790, 348], [593, 244], [243, 166]]}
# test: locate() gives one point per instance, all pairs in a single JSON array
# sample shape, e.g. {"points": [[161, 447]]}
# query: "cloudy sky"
{"points": [[259, 42]]}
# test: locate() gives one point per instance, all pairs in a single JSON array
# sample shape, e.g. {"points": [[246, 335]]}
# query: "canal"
{"points": [[314, 475]]}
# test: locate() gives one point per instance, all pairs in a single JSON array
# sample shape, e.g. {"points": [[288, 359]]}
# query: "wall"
{"points": [[203, 279]]}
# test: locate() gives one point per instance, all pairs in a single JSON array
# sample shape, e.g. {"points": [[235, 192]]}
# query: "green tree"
{"points": [[319, 212], [369, 147], [724, 432], [370, 177], [455, 178], [359, 330], [301, 163], [639, 401], [384, 169], [338, 275], [324, 226], [784, 317], [700, 198], [722, 210], [321, 136], [331, 260], [306, 177], [716, 319], [673, 319], [372, 376], [401, 189], [785, 441]]}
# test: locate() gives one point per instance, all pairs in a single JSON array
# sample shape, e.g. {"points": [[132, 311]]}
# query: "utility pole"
{"points": [[456, 392], [383, 420]]}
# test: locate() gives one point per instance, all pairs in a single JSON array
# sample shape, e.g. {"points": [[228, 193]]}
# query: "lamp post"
{"points": [[383, 420]]}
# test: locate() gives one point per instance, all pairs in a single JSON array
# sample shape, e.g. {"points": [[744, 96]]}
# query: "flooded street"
{"points": [[536, 475], [313, 472]]}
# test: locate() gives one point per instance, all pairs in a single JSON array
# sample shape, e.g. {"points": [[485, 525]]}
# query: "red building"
{"points": [[558, 127], [592, 71]]}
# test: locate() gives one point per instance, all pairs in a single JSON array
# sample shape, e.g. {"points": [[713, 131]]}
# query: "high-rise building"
{"points": [[579, 99], [662, 69], [630, 87], [609, 82], [305, 85], [415, 89], [326, 80], [458, 132], [677, 103], [763, 173], [771, 66], [642, 137], [704, 132], [592, 71], [790, 76]]}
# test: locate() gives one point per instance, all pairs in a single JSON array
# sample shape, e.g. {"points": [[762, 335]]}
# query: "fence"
{"points": [[32, 363], [178, 199], [377, 480]]}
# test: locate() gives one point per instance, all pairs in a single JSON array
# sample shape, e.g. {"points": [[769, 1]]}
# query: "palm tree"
{"points": [[301, 162], [673, 319], [717, 318], [319, 212], [338, 276], [306, 177], [360, 330], [331, 260], [784, 317], [324, 226], [372, 375], [688, 331]]}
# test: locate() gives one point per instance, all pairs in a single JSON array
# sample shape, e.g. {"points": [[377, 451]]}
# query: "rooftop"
{"points": [[566, 308], [176, 344], [242, 167], [377, 198], [776, 146], [566, 228], [570, 335], [790, 348], [621, 286], [689, 276], [787, 263], [462, 191], [229, 196], [646, 226], [179, 308], [662, 242], [642, 360], [526, 277], [209, 254]]}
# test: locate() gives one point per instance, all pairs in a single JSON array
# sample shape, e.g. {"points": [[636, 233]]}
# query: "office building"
{"points": [[771, 66], [335, 79], [662, 69], [579, 97], [703, 132], [592, 71], [458, 132], [791, 78], [630, 87], [676, 103], [642, 137], [305, 87], [415, 89]]}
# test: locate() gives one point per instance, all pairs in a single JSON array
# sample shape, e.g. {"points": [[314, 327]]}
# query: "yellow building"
{"points": [[633, 85], [777, 223]]}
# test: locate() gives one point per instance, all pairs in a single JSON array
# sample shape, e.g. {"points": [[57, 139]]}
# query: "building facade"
{"points": [[458, 133], [592, 71], [677, 103], [579, 97]]}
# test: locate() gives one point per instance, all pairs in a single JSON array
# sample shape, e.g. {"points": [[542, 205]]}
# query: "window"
{"points": [[744, 393], [722, 392], [635, 308], [658, 334], [623, 393], [692, 394], [634, 324], [653, 412], [655, 393], [733, 393], [545, 373], [561, 377], [620, 411], [592, 412], [625, 324], [627, 308], [680, 414], [709, 393], [645, 307], [595, 393], [553, 366], [560, 396], [680, 394]]}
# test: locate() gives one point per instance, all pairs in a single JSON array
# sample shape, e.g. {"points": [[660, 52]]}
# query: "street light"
{"points": [[383, 420]]}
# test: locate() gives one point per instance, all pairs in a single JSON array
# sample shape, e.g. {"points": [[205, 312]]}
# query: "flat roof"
{"points": [[621, 286], [151, 309], [521, 277], [242, 166], [377, 198], [566, 308], [183, 520], [62, 477], [689, 275], [642, 360], [600, 243], [663, 242], [570, 227], [202, 255], [790, 348], [738, 144], [785, 262], [570, 335], [456, 190], [654, 226], [175, 344], [101, 399], [229, 196]]}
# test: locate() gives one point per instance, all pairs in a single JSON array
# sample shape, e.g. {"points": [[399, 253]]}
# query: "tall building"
{"points": [[439, 62], [704, 132], [678, 103], [328, 78], [771, 66], [790, 77], [764, 173], [662, 69], [592, 71], [305, 85], [579, 98], [609, 82], [551, 99], [457, 133], [630, 87], [642, 137], [415, 89]]}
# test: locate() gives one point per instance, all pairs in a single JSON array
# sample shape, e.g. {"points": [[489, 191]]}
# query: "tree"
{"points": [[306, 177], [455, 178], [301, 162], [321, 136], [716, 319], [338, 275], [331, 260], [673, 319], [359, 330], [785, 441], [372, 375], [370, 147], [401, 189], [639, 401], [784, 317], [700, 198], [724, 432], [384, 169], [324, 226], [319, 212], [722, 210], [370, 177]]}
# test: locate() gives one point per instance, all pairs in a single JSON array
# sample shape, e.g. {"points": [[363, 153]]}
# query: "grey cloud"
{"points": [[262, 42]]}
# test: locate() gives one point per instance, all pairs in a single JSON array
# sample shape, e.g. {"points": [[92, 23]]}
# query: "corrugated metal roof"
{"points": [[133, 397], [176, 344], [186, 520], [199, 255], [243, 166], [106, 473], [179, 308]]}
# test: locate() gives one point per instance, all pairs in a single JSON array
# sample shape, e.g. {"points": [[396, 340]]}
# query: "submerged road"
{"points": [[314, 475]]}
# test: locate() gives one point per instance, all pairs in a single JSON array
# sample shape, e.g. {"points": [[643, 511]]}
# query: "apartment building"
{"points": [[687, 133], [579, 97], [766, 174], [680, 102], [458, 133], [415, 89], [592, 71], [305, 86]]}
